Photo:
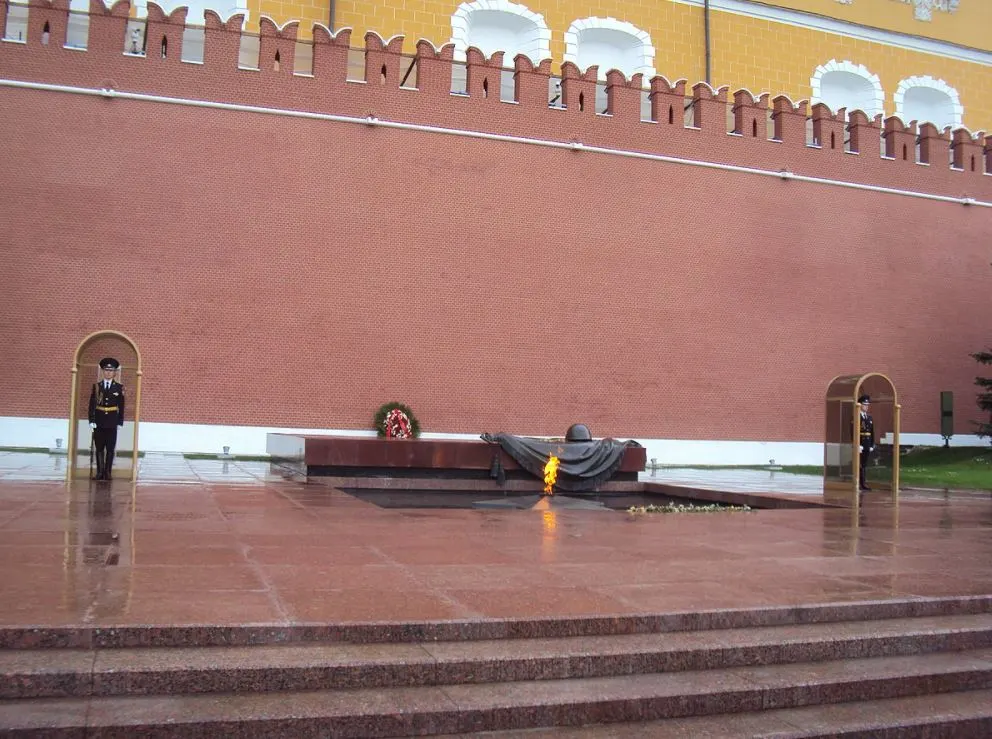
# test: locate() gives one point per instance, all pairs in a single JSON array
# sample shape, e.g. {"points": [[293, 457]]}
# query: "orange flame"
{"points": [[550, 474]]}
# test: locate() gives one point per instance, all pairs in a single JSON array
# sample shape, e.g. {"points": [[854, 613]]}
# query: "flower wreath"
{"points": [[397, 425], [396, 421]]}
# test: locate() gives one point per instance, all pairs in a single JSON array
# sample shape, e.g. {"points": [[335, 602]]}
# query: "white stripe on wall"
{"points": [[18, 431]]}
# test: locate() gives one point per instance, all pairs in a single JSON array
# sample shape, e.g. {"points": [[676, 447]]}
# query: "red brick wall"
{"points": [[300, 272]]}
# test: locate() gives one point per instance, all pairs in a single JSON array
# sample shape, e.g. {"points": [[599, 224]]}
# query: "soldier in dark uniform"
{"points": [[106, 414], [867, 440]]}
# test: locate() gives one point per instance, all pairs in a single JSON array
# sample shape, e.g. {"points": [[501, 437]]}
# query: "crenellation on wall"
{"points": [[789, 119], [330, 56], [54, 13], [434, 68], [900, 139], [709, 109], [578, 89], [221, 42], [483, 75], [105, 42], [623, 96], [325, 89], [382, 62], [750, 114], [168, 30], [119, 9], [829, 128], [668, 101], [530, 82], [864, 133], [967, 151], [156, 14], [935, 144], [277, 47]]}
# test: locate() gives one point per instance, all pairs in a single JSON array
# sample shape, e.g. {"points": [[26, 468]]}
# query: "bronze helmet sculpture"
{"points": [[578, 432]]}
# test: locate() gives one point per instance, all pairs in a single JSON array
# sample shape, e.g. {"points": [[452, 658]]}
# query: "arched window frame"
{"points": [[460, 24], [899, 98], [845, 66], [574, 32]]}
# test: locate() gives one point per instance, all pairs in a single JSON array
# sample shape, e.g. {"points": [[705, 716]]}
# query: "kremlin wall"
{"points": [[659, 259]]}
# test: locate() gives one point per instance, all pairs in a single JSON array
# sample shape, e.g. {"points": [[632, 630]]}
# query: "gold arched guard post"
{"points": [[896, 411], [73, 421]]}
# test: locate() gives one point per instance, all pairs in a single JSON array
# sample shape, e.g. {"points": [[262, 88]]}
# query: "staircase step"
{"points": [[64, 673], [950, 715], [109, 637], [453, 709]]}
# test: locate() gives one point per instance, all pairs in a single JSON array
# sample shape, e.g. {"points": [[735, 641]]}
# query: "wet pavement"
{"points": [[228, 542], [154, 467], [738, 481]]}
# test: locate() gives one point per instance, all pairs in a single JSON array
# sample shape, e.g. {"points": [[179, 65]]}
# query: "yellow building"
{"points": [[923, 60], [919, 59]]}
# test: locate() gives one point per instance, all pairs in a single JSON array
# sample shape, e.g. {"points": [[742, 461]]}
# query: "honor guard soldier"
{"points": [[106, 414], [867, 440]]}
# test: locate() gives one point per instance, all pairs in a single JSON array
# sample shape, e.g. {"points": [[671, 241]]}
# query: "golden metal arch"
{"points": [[856, 381], [71, 467], [892, 387]]}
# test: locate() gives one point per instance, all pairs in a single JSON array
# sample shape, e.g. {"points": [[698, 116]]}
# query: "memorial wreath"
{"points": [[396, 421]]}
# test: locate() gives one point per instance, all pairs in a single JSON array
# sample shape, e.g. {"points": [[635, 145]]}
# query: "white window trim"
{"points": [[899, 98], [646, 66], [460, 26], [845, 66]]}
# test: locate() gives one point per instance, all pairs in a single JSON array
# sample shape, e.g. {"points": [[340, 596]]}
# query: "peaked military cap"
{"points": [[864, 399], [109, 363]]}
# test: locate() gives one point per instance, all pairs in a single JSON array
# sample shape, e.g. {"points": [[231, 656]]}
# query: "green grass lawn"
{"points": [[967, 468], [935, 467]]}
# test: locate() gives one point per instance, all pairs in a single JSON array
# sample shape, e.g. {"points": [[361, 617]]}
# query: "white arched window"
{"points": [[928, 100], [499, 25], [610, 44], [847, 85]]}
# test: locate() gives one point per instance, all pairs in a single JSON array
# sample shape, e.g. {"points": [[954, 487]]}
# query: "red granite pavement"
{"points": [[251, 547]]}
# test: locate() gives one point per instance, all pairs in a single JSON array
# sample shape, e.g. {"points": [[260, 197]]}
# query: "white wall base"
{"points": [[245, 440], [963, 440], [682, 451]]}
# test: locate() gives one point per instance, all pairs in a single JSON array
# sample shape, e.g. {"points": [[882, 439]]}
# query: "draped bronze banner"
{"points": [[584, 464]]}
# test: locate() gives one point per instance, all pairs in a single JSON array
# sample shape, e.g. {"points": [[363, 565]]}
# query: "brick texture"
{"points": [[301, 272]]}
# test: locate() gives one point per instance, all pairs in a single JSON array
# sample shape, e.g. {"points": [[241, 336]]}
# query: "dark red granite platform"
{"points": [[369, 456], [269, 603]]}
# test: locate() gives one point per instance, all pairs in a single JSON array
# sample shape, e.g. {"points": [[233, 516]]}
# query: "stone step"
{"points": [[165, 670], [454, 709], [107, 637], [945, 716]]}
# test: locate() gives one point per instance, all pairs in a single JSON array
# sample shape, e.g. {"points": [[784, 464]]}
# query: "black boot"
{"points": [[107, 467], [99, 466]]}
